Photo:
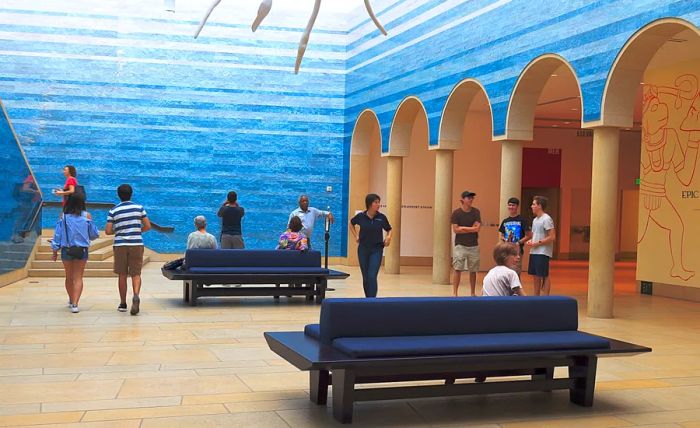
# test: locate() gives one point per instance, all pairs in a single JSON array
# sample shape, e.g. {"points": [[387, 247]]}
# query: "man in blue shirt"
{"points": [[308, 216]]}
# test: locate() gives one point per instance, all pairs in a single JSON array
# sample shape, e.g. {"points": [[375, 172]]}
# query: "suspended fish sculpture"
{"points": [[264, 9]]}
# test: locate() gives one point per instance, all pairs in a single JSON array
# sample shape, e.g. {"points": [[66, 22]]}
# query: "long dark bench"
{"points": [[365, 341], [206, 271]]}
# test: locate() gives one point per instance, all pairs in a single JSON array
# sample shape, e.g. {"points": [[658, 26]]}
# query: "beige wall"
{"points": [[377, 174], [418, 195], [669, 223]]}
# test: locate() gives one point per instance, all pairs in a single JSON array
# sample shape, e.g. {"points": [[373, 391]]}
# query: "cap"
{"points": [[467, 194]]}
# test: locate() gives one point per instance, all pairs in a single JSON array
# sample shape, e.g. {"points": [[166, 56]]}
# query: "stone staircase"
{"points": [[100, 259]]}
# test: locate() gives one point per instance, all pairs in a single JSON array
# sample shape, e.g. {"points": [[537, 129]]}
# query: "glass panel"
{"points": [[20, 201]]}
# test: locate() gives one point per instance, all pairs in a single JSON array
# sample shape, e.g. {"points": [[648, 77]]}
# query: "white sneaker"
{"points": [[74, 308]]}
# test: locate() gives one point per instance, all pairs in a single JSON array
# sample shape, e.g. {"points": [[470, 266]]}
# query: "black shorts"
{"points": [[539, 265]]}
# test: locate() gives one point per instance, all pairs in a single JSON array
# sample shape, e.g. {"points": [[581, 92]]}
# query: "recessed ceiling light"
{"points": [[641, 83], [555, 126], [574, 109], [554, 75], [567, 123]]}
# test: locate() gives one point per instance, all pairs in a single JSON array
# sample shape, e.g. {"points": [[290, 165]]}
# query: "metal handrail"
{"points": [[154, 226], [36, 209]]}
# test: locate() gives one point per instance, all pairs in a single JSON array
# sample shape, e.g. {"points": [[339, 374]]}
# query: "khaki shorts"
{"points": [[465, 258], [128, 259]]}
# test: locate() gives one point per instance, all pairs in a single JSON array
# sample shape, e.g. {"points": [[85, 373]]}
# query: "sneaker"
{"points": [[122, 307], [74, 308], [135, 305]]}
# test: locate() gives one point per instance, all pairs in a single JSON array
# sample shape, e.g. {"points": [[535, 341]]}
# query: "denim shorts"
{"points": [[67, 258]]}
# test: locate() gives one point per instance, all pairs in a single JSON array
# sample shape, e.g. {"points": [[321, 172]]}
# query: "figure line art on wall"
{"points": [[264, 9], [663, 154]]}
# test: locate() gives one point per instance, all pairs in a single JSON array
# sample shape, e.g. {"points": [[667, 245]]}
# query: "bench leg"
{"points": [[544, 373], [343, 395], [582, 374], [312, 287], [185, 291], [318, 386], [321, 290], [276, 296], [192, 291]]}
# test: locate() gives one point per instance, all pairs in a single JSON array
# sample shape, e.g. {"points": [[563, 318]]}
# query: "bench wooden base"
{"points": [[580, 383], [193, 289], [194, 286], [331, 368]]}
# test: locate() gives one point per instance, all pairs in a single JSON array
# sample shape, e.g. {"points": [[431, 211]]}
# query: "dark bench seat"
{"points": [[364, 341], [206, 271]]}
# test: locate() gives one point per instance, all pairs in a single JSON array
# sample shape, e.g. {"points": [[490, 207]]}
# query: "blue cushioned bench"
{"points": [[211, 268], [364, 341]]}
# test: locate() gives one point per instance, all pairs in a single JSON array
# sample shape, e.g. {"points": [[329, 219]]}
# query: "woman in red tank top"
{"points": [[69, 187]]}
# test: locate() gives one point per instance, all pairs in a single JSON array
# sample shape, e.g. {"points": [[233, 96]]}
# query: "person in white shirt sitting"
{"points": [[503, 280]]}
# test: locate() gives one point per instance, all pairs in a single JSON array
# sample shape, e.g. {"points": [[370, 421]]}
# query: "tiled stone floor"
{"points": [[175, 365]]}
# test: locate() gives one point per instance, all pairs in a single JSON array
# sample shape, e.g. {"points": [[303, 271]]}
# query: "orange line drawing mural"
{"points": [[663, 156]]}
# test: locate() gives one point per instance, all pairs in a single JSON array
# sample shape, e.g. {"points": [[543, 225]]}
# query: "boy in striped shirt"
{"points": [[126, 221]]}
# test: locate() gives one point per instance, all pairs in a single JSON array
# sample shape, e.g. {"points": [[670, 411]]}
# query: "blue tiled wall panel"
{"points": [[183, 123]]}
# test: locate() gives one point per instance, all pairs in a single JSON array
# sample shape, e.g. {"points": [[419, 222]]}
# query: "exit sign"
{"points": [[637, 181]]}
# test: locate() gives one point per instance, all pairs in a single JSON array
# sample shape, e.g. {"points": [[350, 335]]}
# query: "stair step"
{"points": [[98, 243], [92, 264], [93, 269], [98, 254], [48, 233], [59, 273]]}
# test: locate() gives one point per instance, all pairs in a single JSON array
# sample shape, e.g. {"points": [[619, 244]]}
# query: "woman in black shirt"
{"points": [[371, 242]]}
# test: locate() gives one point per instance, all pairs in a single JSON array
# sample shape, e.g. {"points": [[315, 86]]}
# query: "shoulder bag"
{"points": [[73, 251]]}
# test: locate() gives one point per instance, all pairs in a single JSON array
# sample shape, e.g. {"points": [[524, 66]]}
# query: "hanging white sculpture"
{"points": [[264, 9]]}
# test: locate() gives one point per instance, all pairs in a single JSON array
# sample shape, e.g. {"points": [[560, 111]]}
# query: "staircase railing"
{"points": [[154, 226], [32, 218]]}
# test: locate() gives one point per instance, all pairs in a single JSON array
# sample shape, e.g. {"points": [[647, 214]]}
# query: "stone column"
{"points": [[394, 178], [604, 195], [511, 174], [442, 231]]}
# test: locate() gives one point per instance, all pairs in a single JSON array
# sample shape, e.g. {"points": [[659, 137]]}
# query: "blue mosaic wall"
{"points": [[129, 97]]}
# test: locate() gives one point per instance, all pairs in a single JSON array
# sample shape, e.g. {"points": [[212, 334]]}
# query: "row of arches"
{"points": [[616, 107], [409, 139]]}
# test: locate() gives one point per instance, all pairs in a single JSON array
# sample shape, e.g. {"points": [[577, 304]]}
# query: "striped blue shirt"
{"points": [[126, 219]]}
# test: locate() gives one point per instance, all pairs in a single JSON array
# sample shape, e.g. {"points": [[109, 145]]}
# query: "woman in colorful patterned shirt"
{"points": [[293, 238]]}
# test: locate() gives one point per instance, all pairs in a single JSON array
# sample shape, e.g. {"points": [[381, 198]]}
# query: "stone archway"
{"points": [[367, 169], [409, 125], [468, 98]]}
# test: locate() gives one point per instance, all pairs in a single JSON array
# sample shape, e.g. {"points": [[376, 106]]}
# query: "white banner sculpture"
{"points": [[264, 9]]}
